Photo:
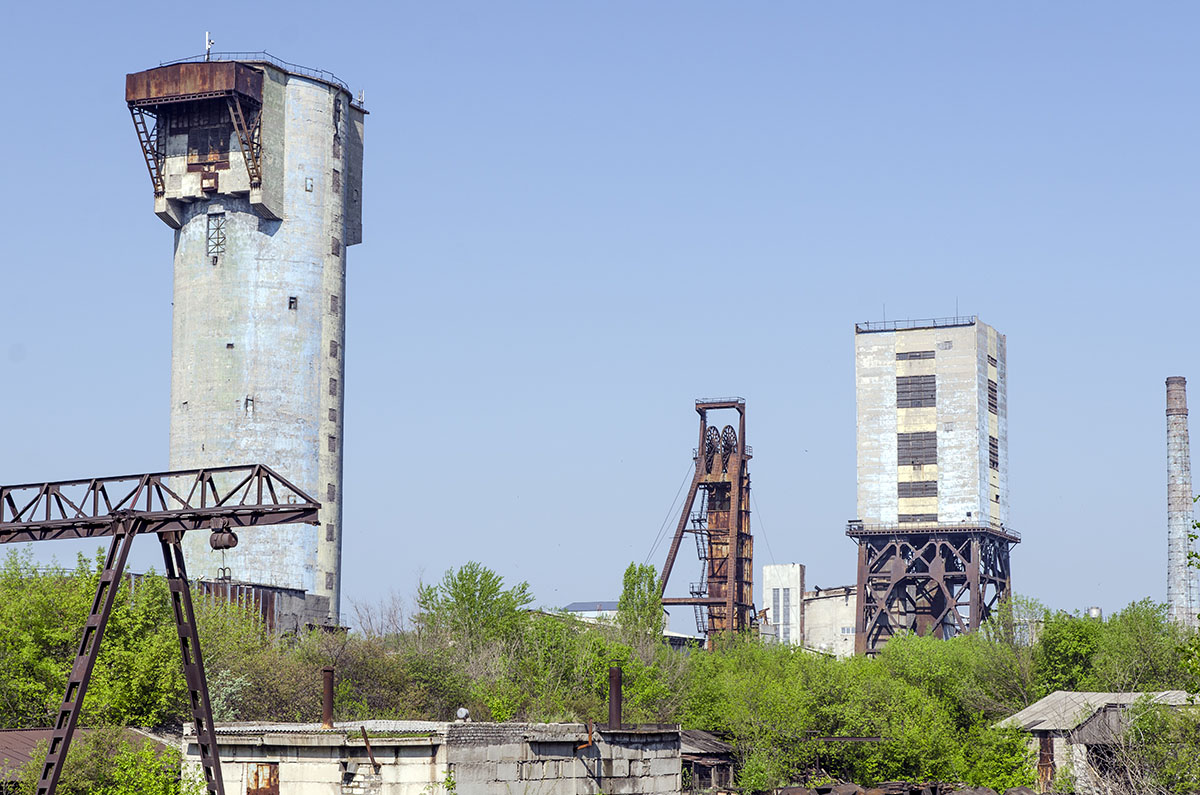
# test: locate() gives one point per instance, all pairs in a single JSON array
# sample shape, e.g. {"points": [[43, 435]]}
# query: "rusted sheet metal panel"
{"points": [[168, 83], [263, 779]]}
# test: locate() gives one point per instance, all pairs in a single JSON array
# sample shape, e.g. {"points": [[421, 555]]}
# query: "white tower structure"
{"points": [[257, 166], [932, 433]]}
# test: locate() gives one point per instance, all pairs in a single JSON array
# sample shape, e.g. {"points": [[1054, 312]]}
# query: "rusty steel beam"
{"points": [[941, 580], [717, 514], [226, 497], [123, 507]]}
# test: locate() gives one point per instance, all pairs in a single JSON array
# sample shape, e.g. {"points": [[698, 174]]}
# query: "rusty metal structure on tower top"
{"points": [[716, 514]]}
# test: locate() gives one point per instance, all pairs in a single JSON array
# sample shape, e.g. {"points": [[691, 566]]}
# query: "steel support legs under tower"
{"points": [[940, 580], [193, 662], [124, 532]]}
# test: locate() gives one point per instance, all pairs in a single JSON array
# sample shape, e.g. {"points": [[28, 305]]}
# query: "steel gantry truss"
{"points": [[931, 579], [167, 504], [717, 513]]}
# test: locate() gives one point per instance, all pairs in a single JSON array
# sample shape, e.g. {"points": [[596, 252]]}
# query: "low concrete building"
{"points": [[1071, 732], [425, 757]]}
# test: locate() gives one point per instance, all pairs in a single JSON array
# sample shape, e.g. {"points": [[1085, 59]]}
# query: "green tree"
{"points": [[639, 611], [1140, 649], [473, 606], [1064, 650], [107, 761]]}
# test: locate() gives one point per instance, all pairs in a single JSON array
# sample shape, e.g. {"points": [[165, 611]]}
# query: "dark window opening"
{"points": [[994, 453], [333, 386], [330, 492], [333, 304], [993, 397], [916, 391], [900, 357], [330, 581], [333, 415], [330, 532], [992, 361], [917, 517], [229, 346], [916, 449], [333, 348], [337, 181], [335, 246], [208, 129], [333, 444], [215, 235], [293, 302], [919, 488]]}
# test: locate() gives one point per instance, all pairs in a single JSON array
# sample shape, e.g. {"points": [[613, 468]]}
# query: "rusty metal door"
{"points": [[1045, 765], [264, 779]]}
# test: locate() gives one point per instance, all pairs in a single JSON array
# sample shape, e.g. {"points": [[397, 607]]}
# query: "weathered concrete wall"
{"points": [[783, 596], [829, 620], [421, 758], [259, 329], [962, 360]]}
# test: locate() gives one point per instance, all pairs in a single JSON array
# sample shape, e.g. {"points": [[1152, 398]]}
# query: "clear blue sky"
{"points": [[580, 216]]}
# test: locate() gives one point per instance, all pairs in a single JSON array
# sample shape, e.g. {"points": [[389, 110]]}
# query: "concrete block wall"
{"points": [[419, 758]]}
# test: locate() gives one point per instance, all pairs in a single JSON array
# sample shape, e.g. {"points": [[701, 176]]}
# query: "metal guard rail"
{"points": [[308, 71]]}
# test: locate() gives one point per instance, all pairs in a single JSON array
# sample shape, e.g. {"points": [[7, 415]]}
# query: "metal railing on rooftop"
{"points": [[734, 399], [900, 325], [748, 452], [265, 57], [856, 528]]}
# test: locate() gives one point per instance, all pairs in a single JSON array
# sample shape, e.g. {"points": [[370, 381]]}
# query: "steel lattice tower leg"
{"points": [[193, 663], [85, 658]]}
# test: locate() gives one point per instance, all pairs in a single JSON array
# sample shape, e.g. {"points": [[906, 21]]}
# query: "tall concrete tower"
{"points": [[932, 437], [1183, 603], [257, 166]]}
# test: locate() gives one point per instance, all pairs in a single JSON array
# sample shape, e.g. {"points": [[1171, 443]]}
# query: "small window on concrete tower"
{"points": [[293, 302], [333, 348], [216, 234], [333, 444], [333, 386], [333, 304], [330, 492], [330, 532]]}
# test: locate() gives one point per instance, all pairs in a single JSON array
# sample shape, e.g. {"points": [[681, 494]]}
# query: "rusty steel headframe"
{"points": [[717, 514], [167, 504], [928, 578]]}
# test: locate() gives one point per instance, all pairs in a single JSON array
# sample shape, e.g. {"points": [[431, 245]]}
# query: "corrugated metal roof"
{"points": [[702, 743], [18, 745], [341, 727], [591, 607], [1064, 710]]}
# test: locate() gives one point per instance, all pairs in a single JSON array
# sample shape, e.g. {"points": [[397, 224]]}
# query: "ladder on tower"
{"points": [[149, 150]]}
